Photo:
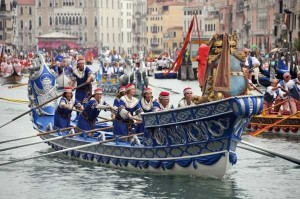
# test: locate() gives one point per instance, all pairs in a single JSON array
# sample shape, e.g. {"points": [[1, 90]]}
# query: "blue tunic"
{"points": [[120, 128], [62, 116], [147, 107], [81, 93], [86, 119], [127, 105]]}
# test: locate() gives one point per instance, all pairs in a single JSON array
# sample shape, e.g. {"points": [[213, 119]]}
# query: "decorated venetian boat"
{"points": [[162, 75], [285, 125], [200, 140]]}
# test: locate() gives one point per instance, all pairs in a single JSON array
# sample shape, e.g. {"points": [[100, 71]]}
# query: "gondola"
{"points": [[199, 140]]}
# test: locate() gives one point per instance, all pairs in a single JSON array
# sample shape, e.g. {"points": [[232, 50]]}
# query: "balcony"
{"points": [[154, 44]]}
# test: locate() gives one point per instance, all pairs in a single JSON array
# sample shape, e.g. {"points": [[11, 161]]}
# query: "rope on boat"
{"points": [[15, 100]]}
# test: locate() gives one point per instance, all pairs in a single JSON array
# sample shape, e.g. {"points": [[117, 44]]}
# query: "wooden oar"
{"points": [[274, 124], [291, 159], [55, 138], [257, 151], [255, 88], [264, 110], [17, 85], [104, 118], [15, 100], [44, 133], [164, 88], [70, 149], [25, 113]]}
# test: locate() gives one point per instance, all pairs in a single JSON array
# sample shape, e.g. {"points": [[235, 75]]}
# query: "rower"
{"points": [[294, 93], [81, 75], [271, 94], [128, 106], [147, 100], [163, 102], [62, 116], [88, 117], [283, 87], [187, 99], [119, 126]]}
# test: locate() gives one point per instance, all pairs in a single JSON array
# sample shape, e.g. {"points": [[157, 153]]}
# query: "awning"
{"points": [[41, 44], [72, 44]]}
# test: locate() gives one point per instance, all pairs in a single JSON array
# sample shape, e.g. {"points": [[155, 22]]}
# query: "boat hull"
{"points": [[288, 127], [199, 140], [165, 76], [187, 165], [13, 79]]}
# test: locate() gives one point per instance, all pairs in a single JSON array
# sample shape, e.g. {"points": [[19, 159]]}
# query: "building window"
{"points": [[21, 10], [96, 23], [1, 25], [21, 24], [113, 22], [85, 37], [30, 11], [40, 4], [50, 21], [85, 21], [30, 24], [40, 21], [56, 20], [96, 37]]}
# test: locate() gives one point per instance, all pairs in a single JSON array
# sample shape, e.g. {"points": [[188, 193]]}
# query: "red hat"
{"points": [[68, 89], [187, 89], [98, 91], [122, 89], [129, 86], [164, 95], [147, 90]]}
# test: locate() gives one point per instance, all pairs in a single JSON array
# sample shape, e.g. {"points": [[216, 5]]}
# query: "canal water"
{"points": [[52, 177]]}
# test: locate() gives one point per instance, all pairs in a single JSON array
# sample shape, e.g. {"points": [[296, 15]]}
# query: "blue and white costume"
{"points": [[88, 117], [81, 77], [62, 116]]}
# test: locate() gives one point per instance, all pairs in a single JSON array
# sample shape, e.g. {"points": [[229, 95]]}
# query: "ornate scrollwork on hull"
{"points": [[217, 128], [160, 136], [177, 135], [197, 133]]}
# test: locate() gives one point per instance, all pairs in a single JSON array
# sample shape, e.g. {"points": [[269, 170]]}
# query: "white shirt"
{"points": [[254, 61]]}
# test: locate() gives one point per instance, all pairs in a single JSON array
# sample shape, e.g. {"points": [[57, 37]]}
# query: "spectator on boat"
{"points": [[62, 116], [128, 106], [82, 74], [119, 126], [271, 94], [284, 86], [250, 63], [115, 57], [281, 63], [163, 103], [88, 117], [66, 67], [59, 57], [187, 99], [294, 93]]}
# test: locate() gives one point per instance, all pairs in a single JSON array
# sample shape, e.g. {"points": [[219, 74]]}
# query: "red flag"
{"points": [[178, 60]]}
